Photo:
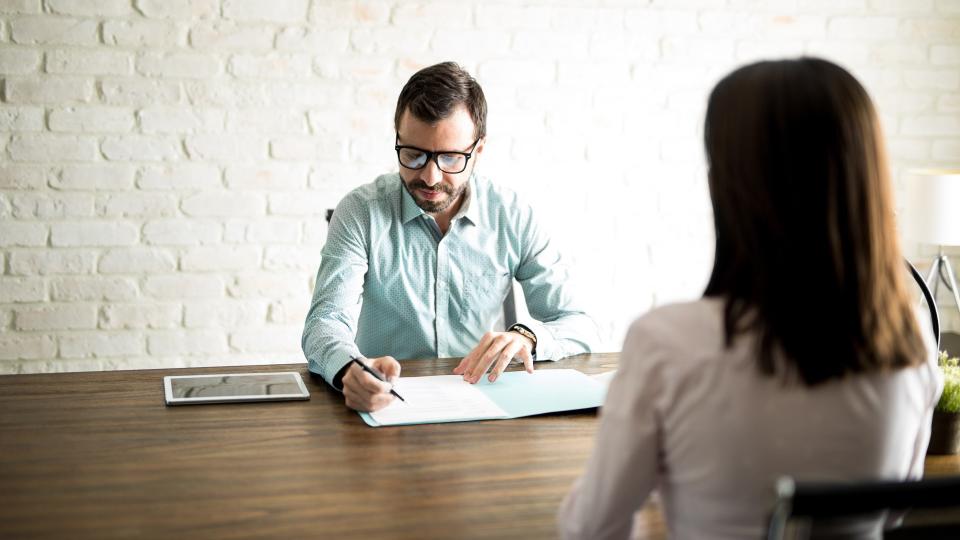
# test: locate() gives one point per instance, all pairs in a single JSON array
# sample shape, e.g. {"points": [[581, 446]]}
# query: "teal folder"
{"points": [[520, 393]]}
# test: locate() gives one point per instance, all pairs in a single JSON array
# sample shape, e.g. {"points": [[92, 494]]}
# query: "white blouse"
{"points": [[698, 422]]}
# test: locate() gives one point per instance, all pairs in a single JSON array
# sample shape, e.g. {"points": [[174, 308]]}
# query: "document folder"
{"points": [[448, 398]]}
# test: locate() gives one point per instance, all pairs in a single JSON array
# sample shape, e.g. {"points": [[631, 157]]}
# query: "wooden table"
{"points": [[99, 455]]}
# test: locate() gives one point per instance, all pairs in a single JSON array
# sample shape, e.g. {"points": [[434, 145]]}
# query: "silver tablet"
{"points": [[234, 387]]}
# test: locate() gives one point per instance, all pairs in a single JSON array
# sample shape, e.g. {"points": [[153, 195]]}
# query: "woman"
{"points": [[803, 358]]}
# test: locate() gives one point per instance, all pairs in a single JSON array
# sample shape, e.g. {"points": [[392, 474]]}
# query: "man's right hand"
{"points": [[363, 392]]}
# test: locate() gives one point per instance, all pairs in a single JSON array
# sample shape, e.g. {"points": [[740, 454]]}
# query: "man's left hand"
{"points": [[493, 353]]}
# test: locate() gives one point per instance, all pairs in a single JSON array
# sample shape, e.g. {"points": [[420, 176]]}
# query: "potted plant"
{"points": [[945, 431]]}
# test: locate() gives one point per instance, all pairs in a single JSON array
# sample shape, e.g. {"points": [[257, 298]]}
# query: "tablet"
{"points": [[233, 388]]}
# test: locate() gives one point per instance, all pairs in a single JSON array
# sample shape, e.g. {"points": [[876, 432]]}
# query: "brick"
{"points": [[424, 15], [270, 285], [390, 40], [908, 149], [136, 261], [230, 36], [182, 286], [948, 6], [73, 289], [266, 177], [20, 6], [178, 64], [864, 27], [13, 290], [268, 339], [288, 311], [48, 206], [661, 21], [899, 6], [181, 232], [102, 345], [762, 49], [350, 14], [300, 39], [18, 61], [181, 120], [178, 9], [139, 92], [26, 347], [581, 73], [140, 148], [943, 28], [186, 342], [51, 262], [302, 203], [945, 55], [467, 43], [224, 314], [517, 72], [263, 232], [314, 94], [546, 43], [91, 119], [136, 204], [266, 10], [943, 125], [179, 176], [223, 258], [52, 148], [211, 147], [95, 177], [272, 66], [93, 233], [22, 234], [504, 16], [933, 79], [947, 150], [948, 103], [43, 90], [223, 203], [308, 148], [230, 95], [56, 317], [93, 62], [91, 8], [21, 119], [24, 177], [49, 30], [140, 33], [266, 121], [290, 258], [116, 316], [370, 68]]}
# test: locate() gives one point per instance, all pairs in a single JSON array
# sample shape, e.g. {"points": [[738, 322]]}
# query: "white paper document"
{"points": [[444, 398]]}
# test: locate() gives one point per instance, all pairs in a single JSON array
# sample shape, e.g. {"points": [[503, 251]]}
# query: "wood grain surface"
{"points": [[99, 455]]}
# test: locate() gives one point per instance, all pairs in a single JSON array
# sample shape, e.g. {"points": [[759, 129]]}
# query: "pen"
{"points": [[376, 374]]}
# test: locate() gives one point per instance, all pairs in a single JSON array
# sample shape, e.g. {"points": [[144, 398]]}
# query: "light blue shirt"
{"points": [[390, 284]]}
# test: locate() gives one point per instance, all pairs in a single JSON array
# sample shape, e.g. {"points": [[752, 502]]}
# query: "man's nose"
{"points": [[431, 174]]}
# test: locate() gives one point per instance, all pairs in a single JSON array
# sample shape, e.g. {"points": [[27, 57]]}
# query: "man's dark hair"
{"points": [[806, 250], [434, 92]]}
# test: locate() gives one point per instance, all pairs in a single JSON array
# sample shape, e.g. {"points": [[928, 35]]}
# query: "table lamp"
{"points": [[933, 217]]}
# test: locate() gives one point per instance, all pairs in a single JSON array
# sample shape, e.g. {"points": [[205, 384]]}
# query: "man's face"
{"points": [[433, 190]]}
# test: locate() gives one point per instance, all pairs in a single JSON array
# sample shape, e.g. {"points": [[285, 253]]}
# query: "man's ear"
{"points": [[479, 148]]}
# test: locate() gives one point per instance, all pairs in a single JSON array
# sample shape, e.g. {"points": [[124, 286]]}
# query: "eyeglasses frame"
{"points": [[433, 156]]}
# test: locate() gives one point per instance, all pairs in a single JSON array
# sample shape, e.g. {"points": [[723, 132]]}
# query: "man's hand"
{"points": [[494, 352], [363, 392]]}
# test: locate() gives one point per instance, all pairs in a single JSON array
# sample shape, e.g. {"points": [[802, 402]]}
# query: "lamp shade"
{"points": [[933, 206]]}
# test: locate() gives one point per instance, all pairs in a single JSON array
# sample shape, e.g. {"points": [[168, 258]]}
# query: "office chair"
{"points": [[509, 303], [799, 505]]}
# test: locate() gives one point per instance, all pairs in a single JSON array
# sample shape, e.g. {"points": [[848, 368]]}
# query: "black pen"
{"points": [[376, 374]]}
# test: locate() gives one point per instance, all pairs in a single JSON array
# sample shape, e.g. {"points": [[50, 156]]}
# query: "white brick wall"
{"points": [[165, 165]]}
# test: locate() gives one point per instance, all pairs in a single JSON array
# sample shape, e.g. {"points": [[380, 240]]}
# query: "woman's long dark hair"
{"points": [[807, 253]]}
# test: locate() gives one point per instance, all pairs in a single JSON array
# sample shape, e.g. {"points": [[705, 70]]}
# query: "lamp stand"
{"points": [[941, 264]]}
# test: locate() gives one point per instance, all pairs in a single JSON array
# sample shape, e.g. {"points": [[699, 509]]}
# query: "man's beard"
{"points": [[433, 207]]}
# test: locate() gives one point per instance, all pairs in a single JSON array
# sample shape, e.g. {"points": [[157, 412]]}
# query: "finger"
{"points": [[480, 367], [471, 357], [504, 359], [527, 358], [389, 366], [380, 401], [367, 382]]}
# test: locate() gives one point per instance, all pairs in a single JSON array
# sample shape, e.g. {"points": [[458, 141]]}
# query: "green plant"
{"points": [[950, 399]]}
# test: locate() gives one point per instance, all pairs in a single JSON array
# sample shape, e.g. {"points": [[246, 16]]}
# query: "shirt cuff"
{"points": [[548, 347]]}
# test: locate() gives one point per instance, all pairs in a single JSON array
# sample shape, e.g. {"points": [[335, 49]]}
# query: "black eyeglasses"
{"points": [[415, 158]]}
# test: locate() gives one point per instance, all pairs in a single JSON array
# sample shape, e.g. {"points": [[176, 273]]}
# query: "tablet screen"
{"points": [[231, 387]]}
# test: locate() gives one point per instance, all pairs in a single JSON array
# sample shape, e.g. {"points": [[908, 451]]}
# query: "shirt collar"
{"points": [[469, 209]]}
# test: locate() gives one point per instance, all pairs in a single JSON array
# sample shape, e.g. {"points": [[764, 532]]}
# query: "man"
{"points": [[418, 264]]}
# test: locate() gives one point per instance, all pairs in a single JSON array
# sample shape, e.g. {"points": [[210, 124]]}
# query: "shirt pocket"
{"points": [[485, 291]]}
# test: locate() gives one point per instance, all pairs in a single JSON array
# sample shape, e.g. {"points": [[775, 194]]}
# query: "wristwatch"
{"points": [[527, 333]]}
